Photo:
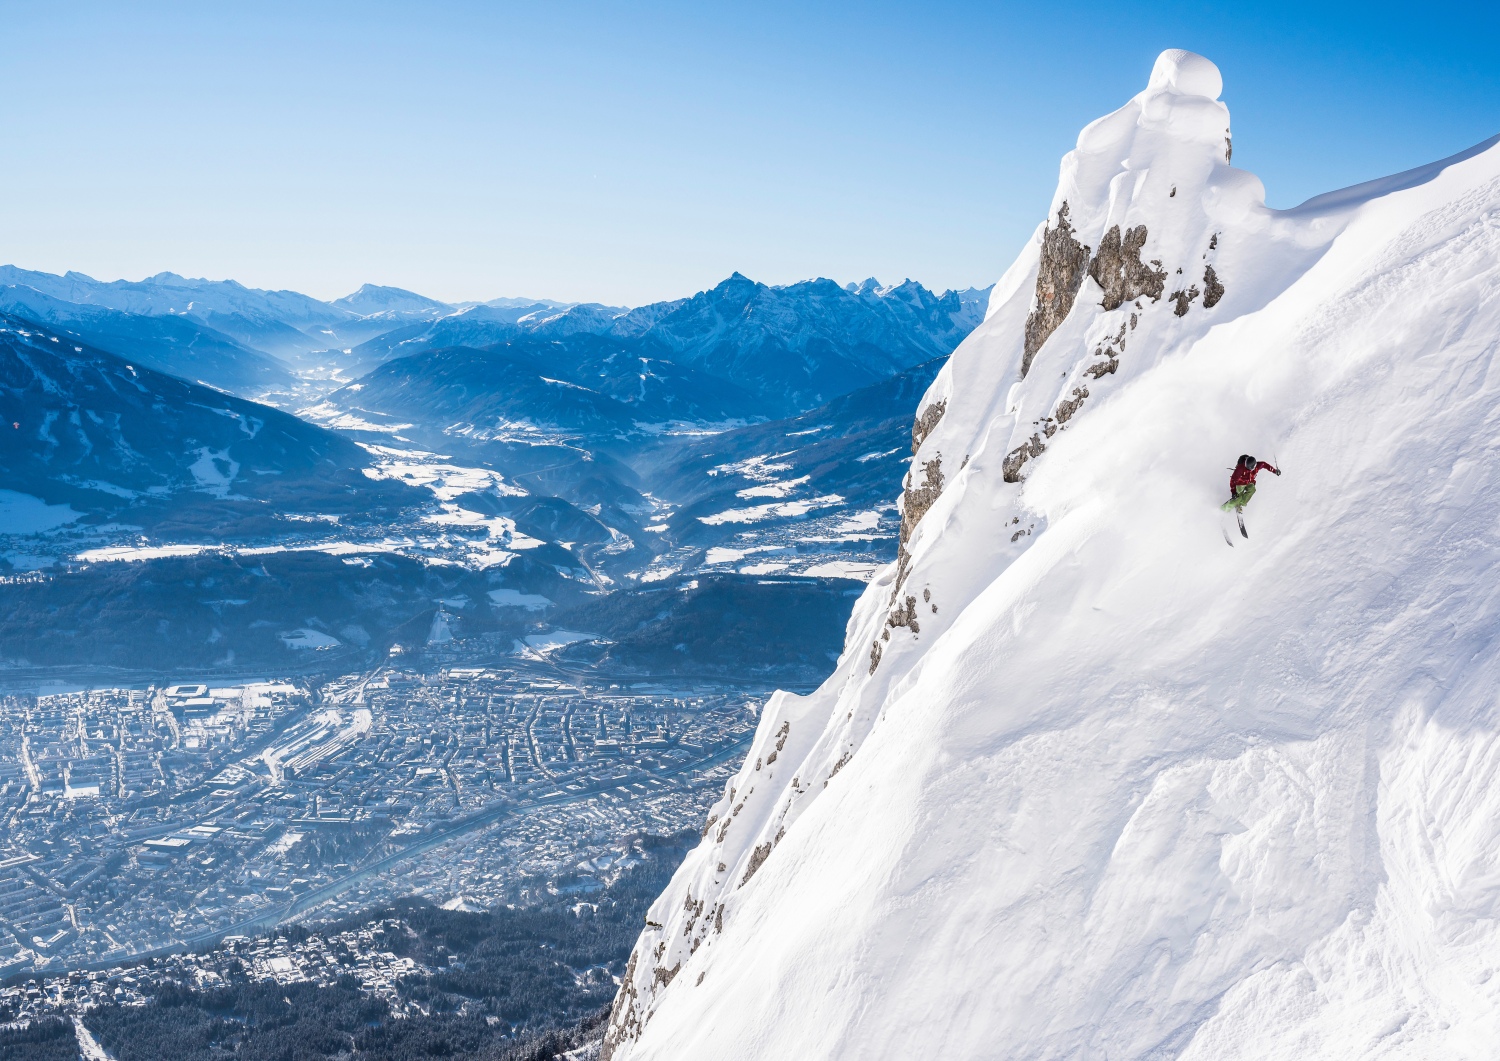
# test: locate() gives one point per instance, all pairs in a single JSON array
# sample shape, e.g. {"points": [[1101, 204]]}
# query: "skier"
{"points": [[1242, 486]]}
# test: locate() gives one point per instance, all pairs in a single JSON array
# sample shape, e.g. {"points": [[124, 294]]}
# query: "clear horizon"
{"points": [[621, 155], [521, 297]]}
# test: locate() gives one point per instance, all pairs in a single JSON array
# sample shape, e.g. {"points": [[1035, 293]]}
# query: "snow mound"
{"points": [[1088, 782], [1185, 73]]}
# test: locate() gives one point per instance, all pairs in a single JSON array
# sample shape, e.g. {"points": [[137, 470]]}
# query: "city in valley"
{"points": [[167, 818]]}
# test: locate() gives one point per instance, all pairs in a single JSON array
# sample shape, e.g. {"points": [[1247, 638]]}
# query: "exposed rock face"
{"points": [[1213, 289], [1184, 299], [1063, 266], [1118, 268], [1066, 409], [916, 499], [926, 420], [905, 615], [1011, 468], [625, 1022], [757, 859]]}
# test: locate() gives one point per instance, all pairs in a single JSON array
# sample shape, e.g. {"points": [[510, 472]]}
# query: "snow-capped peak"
{"points": [[375, 298], [1089, 782]]}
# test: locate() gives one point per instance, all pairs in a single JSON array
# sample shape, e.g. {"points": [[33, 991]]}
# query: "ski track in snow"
{"points": [[1111, 790]]}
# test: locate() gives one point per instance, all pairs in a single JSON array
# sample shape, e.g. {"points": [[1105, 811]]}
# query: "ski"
{"points": [[1243, 532]]}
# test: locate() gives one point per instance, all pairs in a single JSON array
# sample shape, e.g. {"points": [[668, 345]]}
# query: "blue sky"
{"points": [[630, 152]]}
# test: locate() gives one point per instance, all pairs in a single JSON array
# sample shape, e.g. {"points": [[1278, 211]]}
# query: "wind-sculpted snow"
{"points": [[1122, 791]]}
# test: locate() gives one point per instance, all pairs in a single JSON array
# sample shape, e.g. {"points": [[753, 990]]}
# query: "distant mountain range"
{"points": [[630, 415], [282, 323], [586, 384], [111, 439], [442, 454], [178, 345], [794, 347], [600, 380]]}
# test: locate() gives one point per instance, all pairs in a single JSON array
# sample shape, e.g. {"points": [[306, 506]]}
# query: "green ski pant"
{"points": [[1241, 498]]}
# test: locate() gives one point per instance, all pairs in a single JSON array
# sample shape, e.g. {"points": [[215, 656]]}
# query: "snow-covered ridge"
{"points": [[1087, 782]]}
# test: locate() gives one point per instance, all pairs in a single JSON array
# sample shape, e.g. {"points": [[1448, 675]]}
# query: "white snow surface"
{"points": [[25, 514], [1130, 793], [557, 639], [514, 598], [307, 638]]}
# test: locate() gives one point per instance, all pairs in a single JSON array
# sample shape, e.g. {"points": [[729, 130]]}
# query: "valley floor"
{"points": [[152, 819]]}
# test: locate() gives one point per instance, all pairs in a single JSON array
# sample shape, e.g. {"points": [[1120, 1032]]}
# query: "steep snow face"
{"points": [[1089, 783]]}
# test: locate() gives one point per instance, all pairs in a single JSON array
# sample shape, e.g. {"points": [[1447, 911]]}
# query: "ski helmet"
{"points": [[1246, 460]]}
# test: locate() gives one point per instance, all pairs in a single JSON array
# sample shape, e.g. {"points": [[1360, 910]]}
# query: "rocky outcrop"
{"points": [[1183, 299], [757, 859], [781, 736], [918, 495], [1063, 266], [1069, 406], [916, 499], [1213, 288], [1011, 467], [1119, 271], [624, 1017], [926, 420]]}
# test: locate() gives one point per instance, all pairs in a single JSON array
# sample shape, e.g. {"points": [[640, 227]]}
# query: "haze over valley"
{"points": [[203, 502]]}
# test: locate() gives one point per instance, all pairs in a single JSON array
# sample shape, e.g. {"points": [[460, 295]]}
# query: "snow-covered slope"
{"points": [[1087, 782]]}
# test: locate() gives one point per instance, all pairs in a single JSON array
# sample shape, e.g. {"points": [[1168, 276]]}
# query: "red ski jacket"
{"points": [[1243, 476]]}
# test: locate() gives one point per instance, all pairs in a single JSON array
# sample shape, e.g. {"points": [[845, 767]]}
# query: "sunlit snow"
{"points": [[784, 509], [25, 514], [307, 638]]}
